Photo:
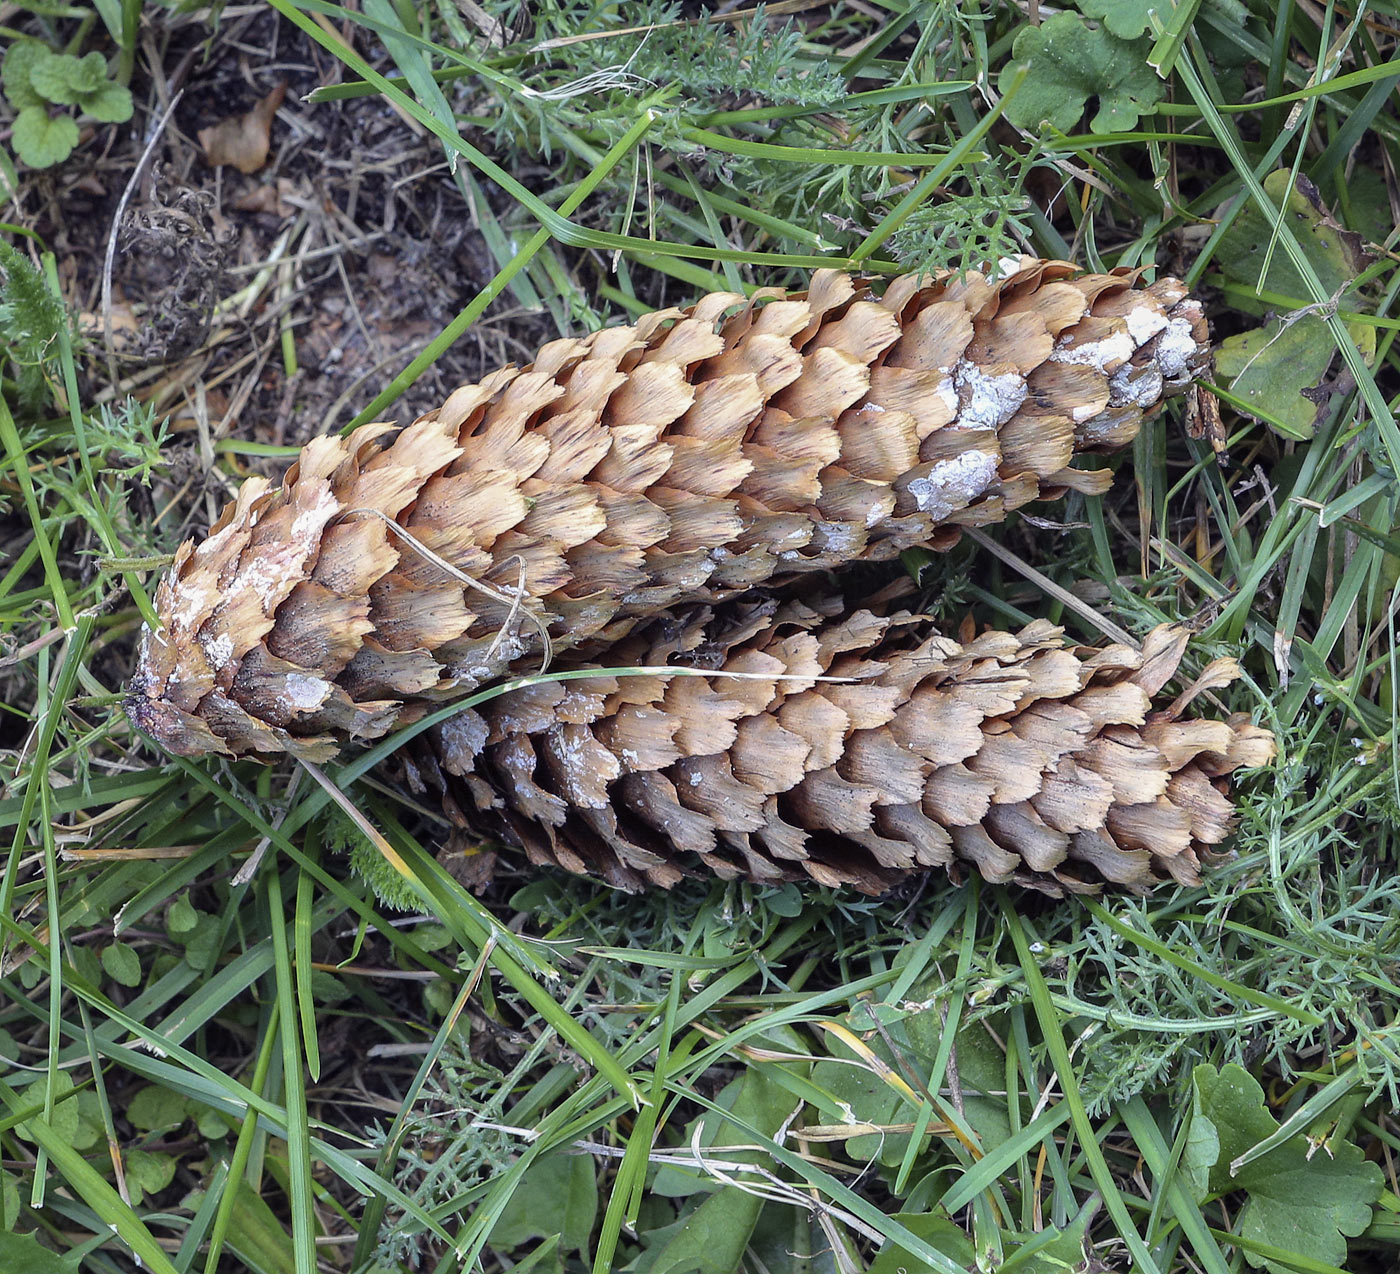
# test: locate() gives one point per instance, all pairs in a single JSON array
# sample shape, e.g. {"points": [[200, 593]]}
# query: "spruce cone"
{"points": [[1023, 757], [688, 457]]}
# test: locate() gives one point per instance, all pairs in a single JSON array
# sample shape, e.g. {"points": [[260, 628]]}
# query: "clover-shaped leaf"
{"points": [[65, 1116], [122, 964], [42, 140], [1302, 1198], [89, 75], [148, 1172], [154, 1107], [1068, 62]]}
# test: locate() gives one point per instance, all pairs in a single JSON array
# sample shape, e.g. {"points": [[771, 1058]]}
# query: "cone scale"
{"points": [[689, 457], [856, 748]]}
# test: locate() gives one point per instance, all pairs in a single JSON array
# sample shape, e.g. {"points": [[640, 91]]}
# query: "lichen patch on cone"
{"points": [[1014, 755], [687, 457]]}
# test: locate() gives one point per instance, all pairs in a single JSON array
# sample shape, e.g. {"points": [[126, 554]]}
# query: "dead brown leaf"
{"points": [[243, 140], [272, 198], [124, 321]]}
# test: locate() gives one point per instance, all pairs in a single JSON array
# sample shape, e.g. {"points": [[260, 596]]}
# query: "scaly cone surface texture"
{"points": [[1012, 754], [687, 457]]}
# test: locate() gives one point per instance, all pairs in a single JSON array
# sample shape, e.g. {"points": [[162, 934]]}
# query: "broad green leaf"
{"points": [[710, 1240], [182, 918], [784, 900], [1048, 1251], [938, 1232], [65, 1113], [1069, 62], [41, 140], [861, 1097], [90, 74], [439, 995], [122, 964], [327, 988], [433, 937], [148, 1172], [754, 1098], [95, 1192], [258, 1237], [1368, 204], [15, 73], [88, 964], [869, 1097], [62, 78], [981, 1065], [202, 946], [24, 1253], [154, 1107], [1271, 369], [90, 1126], [9, 1200], [212, 1124], [110, 103], [558, 1195], [790, 1240], [1268, 368], [1250, 243], [1302, 1198], [549, 1247], [1128, 19], [1053, 1250]]}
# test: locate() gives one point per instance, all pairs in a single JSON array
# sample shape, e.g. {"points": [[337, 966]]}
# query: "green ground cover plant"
{"points": [[339, 1062]]}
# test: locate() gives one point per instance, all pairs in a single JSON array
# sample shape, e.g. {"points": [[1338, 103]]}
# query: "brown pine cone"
{"points": [[687, 457], [1018, 755]]}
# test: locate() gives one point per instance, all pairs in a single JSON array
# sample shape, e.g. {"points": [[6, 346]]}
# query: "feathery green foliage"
{"points": [[31, 318]]}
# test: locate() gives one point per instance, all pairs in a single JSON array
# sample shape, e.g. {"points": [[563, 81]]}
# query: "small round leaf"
{"points": [[42, 140]]}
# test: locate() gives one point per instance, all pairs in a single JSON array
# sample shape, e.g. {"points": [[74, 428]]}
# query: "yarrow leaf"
{"points": [[31, 317]]}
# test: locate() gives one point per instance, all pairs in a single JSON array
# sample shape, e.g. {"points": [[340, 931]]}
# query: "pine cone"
{"points": [[688, 457], [1028, 759]]}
